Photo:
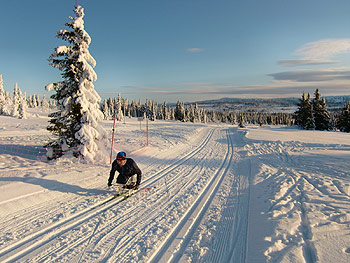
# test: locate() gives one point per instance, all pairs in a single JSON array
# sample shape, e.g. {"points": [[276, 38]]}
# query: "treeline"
{"points": [[120, 107], [312, 114], [16, 105]]}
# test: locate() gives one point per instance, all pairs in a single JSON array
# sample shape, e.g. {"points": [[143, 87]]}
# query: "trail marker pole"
{"points": [[112, 140], [147, 130]]}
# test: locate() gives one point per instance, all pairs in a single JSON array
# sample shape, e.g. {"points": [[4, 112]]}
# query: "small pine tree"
{"points": [[343, 120]]}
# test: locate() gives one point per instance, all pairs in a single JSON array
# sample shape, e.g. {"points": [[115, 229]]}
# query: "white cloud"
{"points": [[311, 75], [318, 52], [324, 49], [305, 62], [195, 50]]}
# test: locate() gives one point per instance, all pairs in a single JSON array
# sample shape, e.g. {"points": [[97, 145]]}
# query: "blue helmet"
{"points": [[121, 156]]}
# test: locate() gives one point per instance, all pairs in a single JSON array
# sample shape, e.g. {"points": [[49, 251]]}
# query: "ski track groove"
{"points": [[21, 246], [202, 203]]}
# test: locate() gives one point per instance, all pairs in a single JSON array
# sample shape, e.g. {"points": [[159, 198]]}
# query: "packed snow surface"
{"points": [[209, 193]]}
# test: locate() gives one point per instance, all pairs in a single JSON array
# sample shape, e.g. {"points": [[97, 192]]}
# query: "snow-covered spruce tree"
{"points": [[300, 113], [37, 99], [125, 107], [179, 113], [154, 110], [304, 115], [22, 109], [16, 101], [44, 103], [7, 107], [197, 113], [118, 108], [309, 115], [343, 120], [321, 114], [75, 124], [105, 110]]}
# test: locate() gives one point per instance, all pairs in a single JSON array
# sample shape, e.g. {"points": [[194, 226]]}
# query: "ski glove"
{"points": [[130, 186]]}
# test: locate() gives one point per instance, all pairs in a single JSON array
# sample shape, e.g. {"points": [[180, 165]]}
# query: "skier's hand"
{"points": [[131, 186], [109, 184]]}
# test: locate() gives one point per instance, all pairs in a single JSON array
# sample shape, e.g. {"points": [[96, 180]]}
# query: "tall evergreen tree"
{"points": [[16, 101], [163, 112], [105, 110], [76, 122], [197, 113], [309, 116], [44, 103], [22, 109], [179, 113], [321, 115], [118, 108], [304, 115]]}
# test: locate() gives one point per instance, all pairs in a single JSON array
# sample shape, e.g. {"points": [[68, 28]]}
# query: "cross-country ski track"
{"points": [[204, 200], [110, 231]]}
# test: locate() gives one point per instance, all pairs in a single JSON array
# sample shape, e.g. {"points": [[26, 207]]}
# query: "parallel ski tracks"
{"points": [[46, 235], [173, 247]]}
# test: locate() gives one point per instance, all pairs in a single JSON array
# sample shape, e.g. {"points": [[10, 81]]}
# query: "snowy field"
{"points": [[210, 193]]}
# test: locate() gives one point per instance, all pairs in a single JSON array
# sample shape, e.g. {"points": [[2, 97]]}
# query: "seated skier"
{"points": [[127, 168]]}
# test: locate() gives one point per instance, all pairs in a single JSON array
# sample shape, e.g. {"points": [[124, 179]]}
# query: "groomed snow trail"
{"points": [[133, 229], [222, 194]]}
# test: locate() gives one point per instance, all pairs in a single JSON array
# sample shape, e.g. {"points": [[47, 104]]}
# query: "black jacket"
{"points": [[125, 172]]}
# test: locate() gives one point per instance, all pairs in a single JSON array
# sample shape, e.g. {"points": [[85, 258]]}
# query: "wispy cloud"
{"points": [[195, 50], [305, 62], [324, 49], [329, 74], [319, 52]]}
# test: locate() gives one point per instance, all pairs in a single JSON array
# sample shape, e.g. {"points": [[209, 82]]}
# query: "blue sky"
{"points": [[188, 50]]}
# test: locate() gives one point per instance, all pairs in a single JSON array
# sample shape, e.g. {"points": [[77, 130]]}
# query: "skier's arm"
{"points": [[111, 174], [138, 172]]}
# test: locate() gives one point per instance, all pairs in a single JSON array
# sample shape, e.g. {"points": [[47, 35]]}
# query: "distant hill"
{"points": [[267, 105]]}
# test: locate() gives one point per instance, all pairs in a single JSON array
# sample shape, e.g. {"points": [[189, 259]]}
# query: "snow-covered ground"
{"points": [[211, 193]]}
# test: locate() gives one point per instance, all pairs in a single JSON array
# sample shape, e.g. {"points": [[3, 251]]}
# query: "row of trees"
{"points": [[120, 108], [312, 114], [16, 105]]}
